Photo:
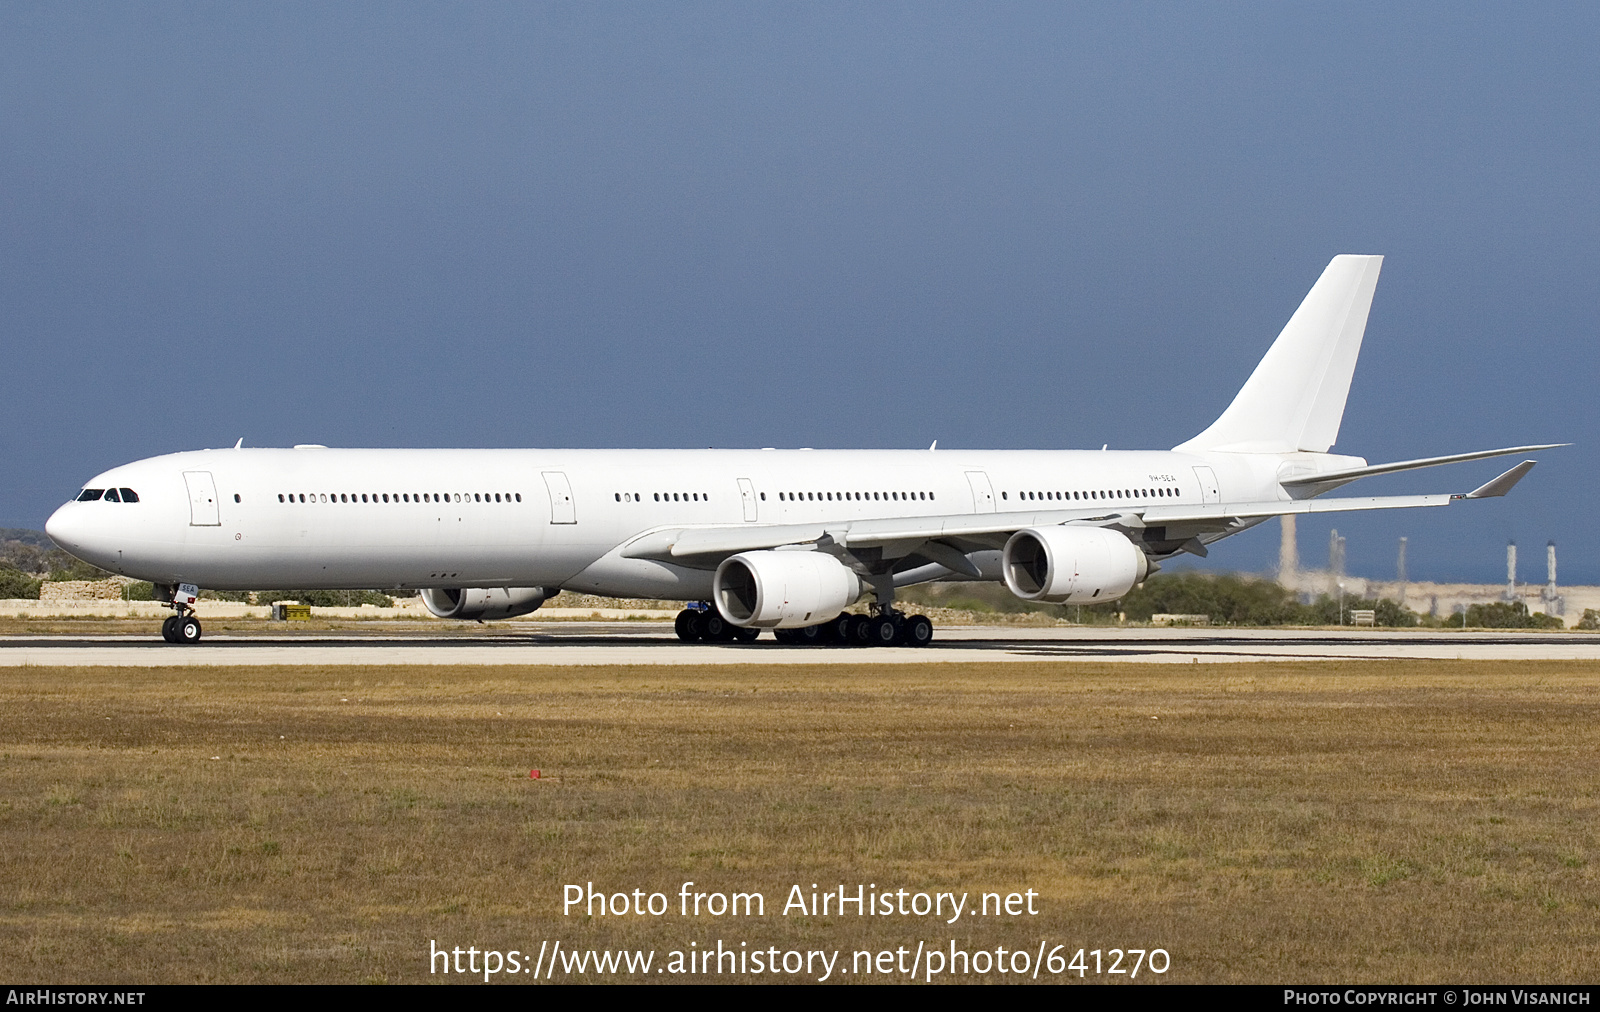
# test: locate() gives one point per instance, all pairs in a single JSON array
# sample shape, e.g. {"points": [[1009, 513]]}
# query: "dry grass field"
{"points": [[1267, 822]]}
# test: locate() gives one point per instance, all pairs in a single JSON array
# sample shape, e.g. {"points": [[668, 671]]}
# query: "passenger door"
{"points": [[202, 499], [982, 492], [562, 508], [747, 496], [1210, 491]]}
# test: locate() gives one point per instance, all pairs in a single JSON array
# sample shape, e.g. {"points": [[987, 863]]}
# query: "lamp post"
{"points": [[1341, 602]]}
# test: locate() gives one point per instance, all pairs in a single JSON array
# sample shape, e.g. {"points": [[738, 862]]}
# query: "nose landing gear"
{"points": [[182, 627]]}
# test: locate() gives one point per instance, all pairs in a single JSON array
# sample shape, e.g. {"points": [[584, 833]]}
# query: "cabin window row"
{"points": [[108, 495], [1166, 491], [853, 496], [664, 496], [398, 497]]}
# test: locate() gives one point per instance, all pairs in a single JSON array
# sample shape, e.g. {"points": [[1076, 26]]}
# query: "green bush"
{"points": [[67, 568], [16, 584], [1227, 599], [139, 592], [1503, 615], [1590, 622]]}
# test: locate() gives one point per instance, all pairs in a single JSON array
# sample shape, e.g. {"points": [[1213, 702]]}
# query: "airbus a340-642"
{"points": [[785, 540]]}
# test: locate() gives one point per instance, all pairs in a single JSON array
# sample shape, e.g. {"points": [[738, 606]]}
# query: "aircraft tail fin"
{"points": [[1295, 398]]}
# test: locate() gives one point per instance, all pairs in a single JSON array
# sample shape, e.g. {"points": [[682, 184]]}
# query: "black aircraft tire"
{"points": [[715, 628], [812, 635], [685, 626], [918, 631], [861, 630], [169, 629], [746, 635], [884, 632], [188, 629], [839, 629]]}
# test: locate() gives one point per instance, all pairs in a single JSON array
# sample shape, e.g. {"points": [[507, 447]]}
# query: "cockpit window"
{"points": [[91, 494], [111, 495], [129, 495]]}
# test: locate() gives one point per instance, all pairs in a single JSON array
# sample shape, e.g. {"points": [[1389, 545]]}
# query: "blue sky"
{"points": [[1031, 225]]}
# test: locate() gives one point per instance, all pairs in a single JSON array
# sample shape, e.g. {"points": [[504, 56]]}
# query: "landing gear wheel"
{"points": [[918, 631], [188, 629], [687, 625], [812, 635], [860, 630], [839, 629], [716, 629], [884, 631], [746, 635], [169, 629]]}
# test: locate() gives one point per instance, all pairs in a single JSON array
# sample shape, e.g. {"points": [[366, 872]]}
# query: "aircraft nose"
{"points": [[66, 527]]}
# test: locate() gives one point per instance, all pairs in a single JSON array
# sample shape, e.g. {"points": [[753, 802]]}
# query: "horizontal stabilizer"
{"points": [[1501, 485], [1353, 473]]}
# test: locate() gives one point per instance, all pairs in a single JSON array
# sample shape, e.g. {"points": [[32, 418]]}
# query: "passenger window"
{"points": [[763, 497]]}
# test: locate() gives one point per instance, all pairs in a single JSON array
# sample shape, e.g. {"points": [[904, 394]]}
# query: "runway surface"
{"points": [[575, 643]]}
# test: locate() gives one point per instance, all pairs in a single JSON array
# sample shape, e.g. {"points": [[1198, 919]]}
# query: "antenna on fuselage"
{"points": [[239, 444]]}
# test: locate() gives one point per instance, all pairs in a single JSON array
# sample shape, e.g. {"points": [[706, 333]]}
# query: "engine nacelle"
{"points": [[783, 590], [477, 604], [1073, 565]]}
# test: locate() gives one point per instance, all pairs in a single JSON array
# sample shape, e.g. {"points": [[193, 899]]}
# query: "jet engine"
{"points": [[1072, 565], [475, 604], [783, 590]]}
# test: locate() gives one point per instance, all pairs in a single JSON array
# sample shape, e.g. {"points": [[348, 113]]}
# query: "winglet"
{"points": [[1501, 485]]}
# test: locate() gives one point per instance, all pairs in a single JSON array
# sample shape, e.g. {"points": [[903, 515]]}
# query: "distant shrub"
{"points": [[16, 584], [139, 592], [1590, 622], [1227, 599], [1505, 615]]}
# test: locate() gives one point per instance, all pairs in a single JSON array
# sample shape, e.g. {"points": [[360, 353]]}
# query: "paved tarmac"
{"points": [[570, 643]]}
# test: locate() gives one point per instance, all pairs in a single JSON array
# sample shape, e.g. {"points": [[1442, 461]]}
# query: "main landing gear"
{"points": [[885, 627], [705, 624]]}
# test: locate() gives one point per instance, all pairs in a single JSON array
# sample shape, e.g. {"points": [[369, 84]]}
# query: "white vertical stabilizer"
{"points": [[1295, 398]]}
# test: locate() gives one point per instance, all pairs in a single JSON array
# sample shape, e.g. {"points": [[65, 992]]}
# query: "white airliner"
{"points": [[752, 539]]}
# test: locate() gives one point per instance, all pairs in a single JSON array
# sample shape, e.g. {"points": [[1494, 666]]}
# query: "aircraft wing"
{"points": [[1177, 524], [1332, 479]]}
